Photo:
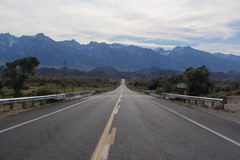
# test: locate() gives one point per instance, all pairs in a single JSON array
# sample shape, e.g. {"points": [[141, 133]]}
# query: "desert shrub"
{"points": [[95, 85], [220, 94], [44, 91], [154, 83], [25, 87], [135, 84], [169, 87], [79, 85], [159, 90], [41, 84]]}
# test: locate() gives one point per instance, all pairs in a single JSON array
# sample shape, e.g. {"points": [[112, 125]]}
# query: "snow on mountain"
{"points": [[119, 56]]}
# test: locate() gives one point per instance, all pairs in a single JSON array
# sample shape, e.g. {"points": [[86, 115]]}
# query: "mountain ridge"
{"points": [[53, 53]]}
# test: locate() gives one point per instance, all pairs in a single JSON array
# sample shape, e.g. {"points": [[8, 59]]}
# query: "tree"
{"points": [[153, 84], [197, 80], [176, 79], [18, 72]]}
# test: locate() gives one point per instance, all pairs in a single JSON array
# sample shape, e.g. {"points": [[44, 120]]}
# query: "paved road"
{"points": [[118, 125]]}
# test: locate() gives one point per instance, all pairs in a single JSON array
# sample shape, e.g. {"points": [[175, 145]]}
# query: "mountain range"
{"points": [[72, 54]]}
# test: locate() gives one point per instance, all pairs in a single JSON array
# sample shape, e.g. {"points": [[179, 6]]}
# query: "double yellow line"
{"points": [[107, 138]]}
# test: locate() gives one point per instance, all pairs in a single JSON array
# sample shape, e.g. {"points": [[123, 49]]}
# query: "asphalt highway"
{"points": [[118, 125]]}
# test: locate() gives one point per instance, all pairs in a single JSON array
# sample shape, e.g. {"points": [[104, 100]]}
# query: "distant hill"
{"points": [[156, 72], [96, 72], [122, 57], [147, 73], [220, 76]]}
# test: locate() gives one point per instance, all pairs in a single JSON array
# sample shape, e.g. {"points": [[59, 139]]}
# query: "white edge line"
{"points": [[198, 124], [46, 115]]}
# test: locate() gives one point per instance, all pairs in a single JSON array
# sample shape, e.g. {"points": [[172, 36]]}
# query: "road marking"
{"points": [[105, 152], [116, 112], [110, 141], [198, 124], [113, 134], [103, 146], [44, 116]]}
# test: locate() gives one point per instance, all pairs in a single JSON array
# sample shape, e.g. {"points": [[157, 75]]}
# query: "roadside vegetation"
{"points": [[19, 80], [38, 85], [18, 72], [196, 82]]}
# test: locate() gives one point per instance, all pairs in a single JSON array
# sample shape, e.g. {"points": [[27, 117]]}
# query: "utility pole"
{"points": [[65, 72]]}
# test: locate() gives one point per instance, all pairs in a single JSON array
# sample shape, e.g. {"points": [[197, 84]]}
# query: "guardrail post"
{"points": [[212, 104], [222, 105], [23, 101], [43, 102], [33, 103], [11, 106], [23, 105], [196, 102]]}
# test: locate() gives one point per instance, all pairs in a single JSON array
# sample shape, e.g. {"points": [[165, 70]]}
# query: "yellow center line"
{"points": [[107, 138], [116, 112], [113, 134]]}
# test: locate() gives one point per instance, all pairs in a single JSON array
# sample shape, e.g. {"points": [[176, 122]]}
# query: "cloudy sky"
{"points": [[211, 25]]}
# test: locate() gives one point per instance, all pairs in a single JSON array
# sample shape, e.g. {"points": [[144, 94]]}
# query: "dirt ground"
{"points": [[233, 104], [231, 111]]}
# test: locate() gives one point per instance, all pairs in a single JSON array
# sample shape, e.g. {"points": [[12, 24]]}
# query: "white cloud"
{"points": [[99, 20], [224, 48]]}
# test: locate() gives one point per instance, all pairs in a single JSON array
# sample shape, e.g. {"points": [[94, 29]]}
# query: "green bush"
{"points": [[154, 83], [41, 84], [220, 94], [135, 84], [145, 92], [159, 90], [44, 91], [197, 80]]}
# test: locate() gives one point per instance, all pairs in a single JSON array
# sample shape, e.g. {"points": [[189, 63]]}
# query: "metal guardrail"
{"points": [[174, 96], [78, 94], [62, 96], [30, 99], [186, 97]]}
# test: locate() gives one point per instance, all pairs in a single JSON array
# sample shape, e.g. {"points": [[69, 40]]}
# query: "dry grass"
{"points": [[55, 84]]}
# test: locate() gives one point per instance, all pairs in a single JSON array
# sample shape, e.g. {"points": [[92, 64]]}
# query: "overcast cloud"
{"points": [[211, 25]]}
